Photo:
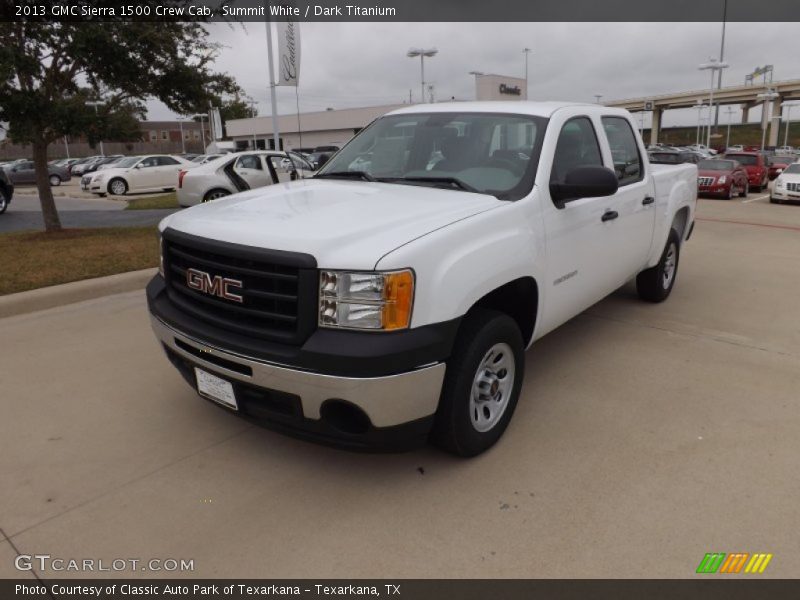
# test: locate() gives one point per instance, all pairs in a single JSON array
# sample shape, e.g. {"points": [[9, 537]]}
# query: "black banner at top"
{"points": [[404, 10]]}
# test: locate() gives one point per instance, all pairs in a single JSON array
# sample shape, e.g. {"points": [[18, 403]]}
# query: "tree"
{"points": [[49, 70]]}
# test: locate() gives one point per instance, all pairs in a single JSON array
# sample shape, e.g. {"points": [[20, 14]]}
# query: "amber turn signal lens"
{"points": [[398, 296]]}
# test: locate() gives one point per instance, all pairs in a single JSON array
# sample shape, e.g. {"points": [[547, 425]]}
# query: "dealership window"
{"points": [[153, 136], [164, 135], [187, 135], [196, 134], [624, 150], [577, 146]]}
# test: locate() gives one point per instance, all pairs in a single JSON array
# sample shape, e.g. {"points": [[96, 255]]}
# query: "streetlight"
{"points": [[422, 53], [712, 65], [699, 106], [202, 129], [183, 141], [526, 51], [597, 98], [96, 103], [728, 138], [788, 106], [767, 97]]}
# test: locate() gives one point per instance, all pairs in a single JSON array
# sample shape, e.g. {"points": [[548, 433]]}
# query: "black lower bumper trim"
{"points": [[282, 412]]}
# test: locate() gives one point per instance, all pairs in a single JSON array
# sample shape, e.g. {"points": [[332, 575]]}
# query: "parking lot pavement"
{"points": [[30, 203], [646, 435], [72, 189]]}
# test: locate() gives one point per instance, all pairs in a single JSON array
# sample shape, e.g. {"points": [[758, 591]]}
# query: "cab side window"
{"points": [[150, 161], [249, 161], [166, 161], [577, 146], [624, 150]]}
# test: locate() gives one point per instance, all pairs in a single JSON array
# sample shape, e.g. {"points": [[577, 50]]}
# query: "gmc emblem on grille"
{"points": [[215, 286]]}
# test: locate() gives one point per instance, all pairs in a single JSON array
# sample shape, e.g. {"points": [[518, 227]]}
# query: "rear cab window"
{"points": [[628, 164]]}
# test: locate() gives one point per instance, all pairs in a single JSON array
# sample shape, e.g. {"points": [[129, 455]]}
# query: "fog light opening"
{"points": [[345, 417]]}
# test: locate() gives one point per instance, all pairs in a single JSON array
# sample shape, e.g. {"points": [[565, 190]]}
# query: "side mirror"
{"points": [[584, 182]]}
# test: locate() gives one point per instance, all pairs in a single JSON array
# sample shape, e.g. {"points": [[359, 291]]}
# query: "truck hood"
{"points": [[343, 224]]}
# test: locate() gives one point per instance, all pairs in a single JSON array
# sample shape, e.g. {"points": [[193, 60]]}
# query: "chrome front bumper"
{"points": [[387, 401]]}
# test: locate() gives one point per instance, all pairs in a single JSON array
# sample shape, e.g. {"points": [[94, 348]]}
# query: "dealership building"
{"points": [[336, 127]]}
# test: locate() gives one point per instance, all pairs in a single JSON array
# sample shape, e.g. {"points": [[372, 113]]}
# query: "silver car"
{"points": [[23, 172]]}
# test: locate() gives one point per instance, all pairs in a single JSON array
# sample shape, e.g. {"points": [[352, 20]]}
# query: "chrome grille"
{"points": [[705, 181]]}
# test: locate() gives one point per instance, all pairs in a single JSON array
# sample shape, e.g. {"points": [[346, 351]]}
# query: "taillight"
{"points": [[180, 179]]}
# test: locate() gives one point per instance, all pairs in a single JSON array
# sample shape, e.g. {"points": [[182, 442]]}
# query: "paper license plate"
{"points": [[216, 389]]}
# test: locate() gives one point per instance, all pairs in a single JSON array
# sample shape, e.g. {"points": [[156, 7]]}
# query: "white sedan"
{"points": [[235, 173], [149, 173]]}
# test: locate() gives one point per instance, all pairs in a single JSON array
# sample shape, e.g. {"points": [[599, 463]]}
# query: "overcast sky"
{"points": [[363, 64]]}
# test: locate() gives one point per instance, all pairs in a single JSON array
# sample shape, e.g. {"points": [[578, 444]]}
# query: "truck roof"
{"points": [[524, 107]]}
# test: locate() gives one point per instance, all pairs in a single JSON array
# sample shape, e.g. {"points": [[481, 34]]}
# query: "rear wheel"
{"points": [[55, 180], [655, 284], [729, 195], [118, 187], [745, 190], [3, 201], [482, 384], [214, 194]]}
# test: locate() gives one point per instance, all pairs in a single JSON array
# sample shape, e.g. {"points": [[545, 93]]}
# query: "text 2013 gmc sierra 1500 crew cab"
{"points": [[389, 299]]}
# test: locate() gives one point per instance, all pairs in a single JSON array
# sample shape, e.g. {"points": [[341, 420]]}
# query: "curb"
{"points": [[76, 291]]}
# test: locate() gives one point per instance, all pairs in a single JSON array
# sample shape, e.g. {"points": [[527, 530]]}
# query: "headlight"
{"points": [[722, 179], [370, 300], [779, 183], [160, 255]]}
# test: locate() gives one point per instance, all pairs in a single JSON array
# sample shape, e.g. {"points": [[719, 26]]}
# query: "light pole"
{"points": [[728, 138], [767, 97], [526, 51], [712, 65], [202, 129], [422, 53], [183, 141], [597, 98], [96, 103], [788, 106], [699, 106]]}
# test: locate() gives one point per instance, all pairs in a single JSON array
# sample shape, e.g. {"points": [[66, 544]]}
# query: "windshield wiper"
{"points": [[347, 175], [453, 181]]}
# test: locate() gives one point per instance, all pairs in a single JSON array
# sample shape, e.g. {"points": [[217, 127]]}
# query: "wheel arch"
{"points": [[519, 299], [680, 222], [113, 179]]}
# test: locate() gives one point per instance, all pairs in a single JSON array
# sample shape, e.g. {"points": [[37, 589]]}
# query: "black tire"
{"points": [[114, 181], [774, 200], [55, 180], [745, 190], [3, 200], [215, 193], [481, 333], [653, 284], [729, 195]]}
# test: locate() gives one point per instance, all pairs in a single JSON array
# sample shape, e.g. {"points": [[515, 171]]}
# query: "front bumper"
{"points": [[714, 190], [379, 411], [784, 194]]}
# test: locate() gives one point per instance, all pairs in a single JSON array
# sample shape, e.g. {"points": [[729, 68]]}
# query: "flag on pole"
{"points": [[288, 53]]}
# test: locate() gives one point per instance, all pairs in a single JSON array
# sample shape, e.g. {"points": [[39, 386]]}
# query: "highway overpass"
{"points": [[746, 95]]}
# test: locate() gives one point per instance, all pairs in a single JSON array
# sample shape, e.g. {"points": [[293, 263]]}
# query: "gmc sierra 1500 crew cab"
{"points": [[389, 299]]}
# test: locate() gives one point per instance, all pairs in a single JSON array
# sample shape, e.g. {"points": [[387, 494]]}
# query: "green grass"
{"points": [[33, 260], [168, 200]]}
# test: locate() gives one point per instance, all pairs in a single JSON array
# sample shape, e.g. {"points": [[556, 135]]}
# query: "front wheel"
{"points": [[745, 190], [3, 202], [482, 385], [655, 284], [117, 187]]}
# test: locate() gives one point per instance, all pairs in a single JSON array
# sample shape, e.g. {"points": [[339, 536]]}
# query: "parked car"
{"points": [[204, 158], [786, 150], [787, 186], [381, 308], [318, 159], [148, 173], [6, 191], [778, 163], [674, 157], [721, 177], [736, 148], [23, 172], [755, 163], [102, 163], [297, 163], [230, 174], [703, 149], [79, 167], [330, 149]]}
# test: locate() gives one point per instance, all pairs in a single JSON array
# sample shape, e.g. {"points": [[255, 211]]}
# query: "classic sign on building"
{"points": [[499, 87]]}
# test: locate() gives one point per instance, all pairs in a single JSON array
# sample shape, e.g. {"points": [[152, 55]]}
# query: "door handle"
{"points": [[609, 215], [648, 200]]}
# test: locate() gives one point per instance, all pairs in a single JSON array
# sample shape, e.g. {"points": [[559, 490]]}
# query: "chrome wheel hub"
{"points": [[492, 387], [670, 262]]}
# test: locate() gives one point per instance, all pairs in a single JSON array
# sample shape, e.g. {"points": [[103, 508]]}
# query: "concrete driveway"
{"points": [[646, 436]]}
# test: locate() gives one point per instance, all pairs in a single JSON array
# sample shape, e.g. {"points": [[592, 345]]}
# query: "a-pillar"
{"points": [[655, 128]]}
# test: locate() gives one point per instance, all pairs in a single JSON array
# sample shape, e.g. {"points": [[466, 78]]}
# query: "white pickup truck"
{"points": [[389, 299]]}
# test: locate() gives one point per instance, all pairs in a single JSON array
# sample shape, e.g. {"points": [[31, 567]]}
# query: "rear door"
{"points": [[252, 169], [24, 173], [168, 169], [631, 231]]}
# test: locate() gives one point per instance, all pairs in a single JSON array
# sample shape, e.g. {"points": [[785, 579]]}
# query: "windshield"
{"points": [[715, 165], [745, 159], [483, 152], [124, 163], [793, 168]]}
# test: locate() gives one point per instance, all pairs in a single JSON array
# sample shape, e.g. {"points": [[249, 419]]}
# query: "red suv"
{"points": [[756, 166]]}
